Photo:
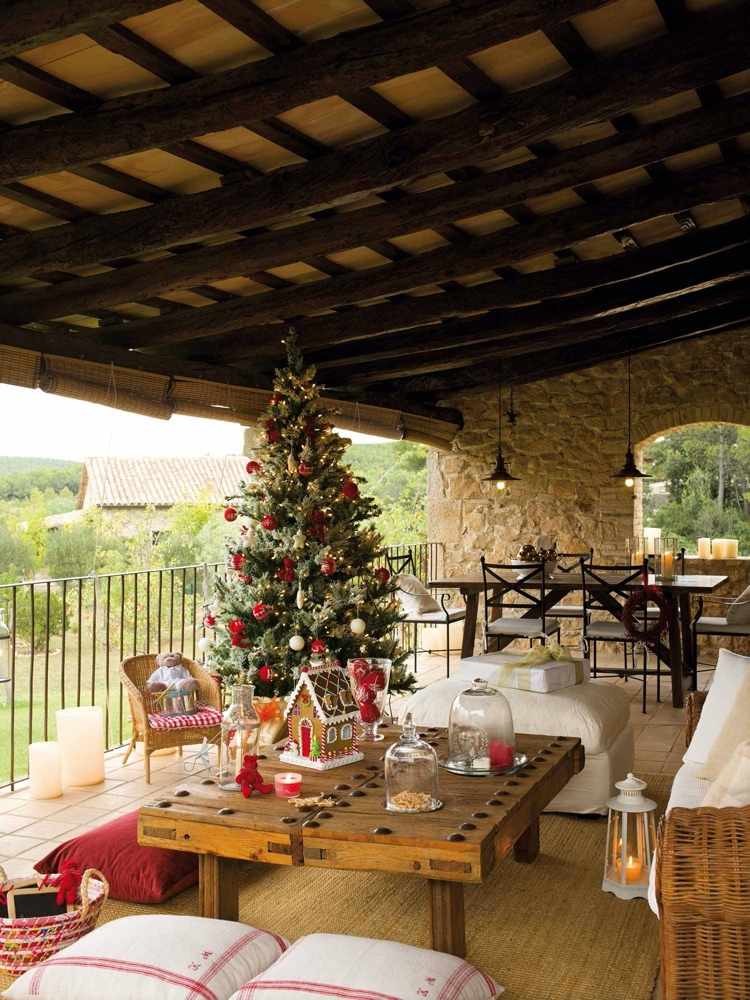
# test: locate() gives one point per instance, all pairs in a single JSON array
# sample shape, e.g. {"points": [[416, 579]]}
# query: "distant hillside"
{"points": [[10, 464], [19, 477]]}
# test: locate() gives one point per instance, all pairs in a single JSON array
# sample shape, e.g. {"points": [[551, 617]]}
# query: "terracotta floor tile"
{"points": [[13, 844], [11, 824], [80, 814], [19, 867], [39, 809], [45, 829]]}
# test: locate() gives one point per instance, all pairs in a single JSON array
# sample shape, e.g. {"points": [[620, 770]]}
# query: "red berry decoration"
{"points": [[236, 626], [265, 673], [269, 522], [318, 517], [328, 566], [272, 432], [350, 489], [230, 514], [382, 575], [285, 572], [238, 560], [261, 611], [209, 621], [304, 469], [318, 646], [253, 468]]}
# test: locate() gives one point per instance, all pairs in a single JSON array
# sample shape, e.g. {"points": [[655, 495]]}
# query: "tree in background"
{"points": [[707, 473], [302, 575], [396, 474]]}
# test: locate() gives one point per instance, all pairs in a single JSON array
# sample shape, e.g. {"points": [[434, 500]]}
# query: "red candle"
{"points": [[287, 784], [501, 754]]}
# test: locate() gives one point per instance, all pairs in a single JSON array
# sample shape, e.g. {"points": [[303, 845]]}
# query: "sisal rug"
{"points": [[545, 931]]}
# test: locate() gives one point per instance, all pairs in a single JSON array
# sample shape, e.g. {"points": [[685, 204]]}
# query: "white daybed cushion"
{"points": [[688, 792], [735, 730], [336, 965], [731, 672], [153, 957], [414, 597], [732, 785]]}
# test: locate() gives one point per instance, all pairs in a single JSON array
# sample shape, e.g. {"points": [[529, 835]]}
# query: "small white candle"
{"points": [[650, 537], [80, 733], [704, 548], [45, 770]]}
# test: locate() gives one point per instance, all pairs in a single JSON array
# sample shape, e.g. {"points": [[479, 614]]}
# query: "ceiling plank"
{"points": [[43, 202], [50, 88], [117, 180], [507, 246], [124, 42], [255, 22], [110, 237], [711, 45]]}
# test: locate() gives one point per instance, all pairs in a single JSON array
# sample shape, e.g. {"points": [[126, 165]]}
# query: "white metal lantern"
{"points": [[631, 835]]}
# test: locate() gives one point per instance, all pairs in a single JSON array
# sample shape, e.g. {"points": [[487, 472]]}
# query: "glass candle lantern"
{"points": [[666, 559], [631, 835], [368, 679], [240, 730], [481, 739], [411, 783]]}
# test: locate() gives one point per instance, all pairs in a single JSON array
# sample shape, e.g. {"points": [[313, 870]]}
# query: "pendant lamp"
{"points": [[500, 475], [630, 471]]}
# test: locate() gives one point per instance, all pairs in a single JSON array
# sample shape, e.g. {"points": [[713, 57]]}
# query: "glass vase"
{"points": [[368, 678], [240, 731]]}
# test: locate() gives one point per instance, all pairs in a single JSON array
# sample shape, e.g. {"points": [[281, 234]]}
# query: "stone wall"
{"points": [[569, 438]]}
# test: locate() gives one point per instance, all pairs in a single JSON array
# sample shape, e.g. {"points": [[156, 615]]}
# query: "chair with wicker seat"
{"points": [[161, 732]]}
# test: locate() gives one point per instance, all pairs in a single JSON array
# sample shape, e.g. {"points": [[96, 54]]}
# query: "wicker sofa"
{"points": [[702, 892]]}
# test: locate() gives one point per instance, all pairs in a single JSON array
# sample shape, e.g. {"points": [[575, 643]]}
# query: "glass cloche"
{"points": [[240, 732], [411, 784], [481, 739]]}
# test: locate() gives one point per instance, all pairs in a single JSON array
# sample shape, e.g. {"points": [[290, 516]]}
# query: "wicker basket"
{"points": [[28, 941]]}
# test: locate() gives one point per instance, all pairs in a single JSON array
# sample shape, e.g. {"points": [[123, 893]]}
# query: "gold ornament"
{"points": [[291, 463], [300, 598]]}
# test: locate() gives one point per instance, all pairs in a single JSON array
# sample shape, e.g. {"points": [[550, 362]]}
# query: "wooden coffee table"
{"points": [[482, 820]]}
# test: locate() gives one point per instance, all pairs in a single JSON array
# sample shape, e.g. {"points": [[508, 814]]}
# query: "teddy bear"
{"points": [[249, 778]]}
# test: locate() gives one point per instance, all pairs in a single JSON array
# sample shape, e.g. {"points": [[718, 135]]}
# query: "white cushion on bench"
{"points": [[336, 965]]}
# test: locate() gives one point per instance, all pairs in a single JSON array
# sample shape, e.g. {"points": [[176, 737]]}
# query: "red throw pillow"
{"points": [[135, 874]]}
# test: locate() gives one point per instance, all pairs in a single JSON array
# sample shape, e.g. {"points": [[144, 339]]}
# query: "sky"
{"points": [[40, 425]]}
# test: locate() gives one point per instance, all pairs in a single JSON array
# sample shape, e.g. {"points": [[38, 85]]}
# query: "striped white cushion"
{"points": [[354, 968], [204, 716], [153, 957]]}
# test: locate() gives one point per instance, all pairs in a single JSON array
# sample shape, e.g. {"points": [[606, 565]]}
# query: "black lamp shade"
{"points": [[630, 470]]}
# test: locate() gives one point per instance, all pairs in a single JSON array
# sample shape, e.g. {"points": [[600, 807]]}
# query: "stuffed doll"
{"points": [[250, 780]]}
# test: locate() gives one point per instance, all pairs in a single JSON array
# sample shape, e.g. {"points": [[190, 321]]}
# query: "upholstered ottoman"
{"points": [[597, 712]]}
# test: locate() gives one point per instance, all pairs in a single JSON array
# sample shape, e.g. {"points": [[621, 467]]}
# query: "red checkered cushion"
{"points": [[205, 716]]}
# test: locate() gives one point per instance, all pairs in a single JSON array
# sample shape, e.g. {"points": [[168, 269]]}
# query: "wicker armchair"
{"points": [[703, 889], [134, 673]]}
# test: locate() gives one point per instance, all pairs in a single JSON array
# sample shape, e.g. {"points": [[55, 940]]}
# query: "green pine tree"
{"points": [[315, 748], [303, 567]]}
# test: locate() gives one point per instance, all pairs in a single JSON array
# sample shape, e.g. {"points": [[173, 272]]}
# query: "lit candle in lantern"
{"points": [[667, 564], [287, 784], [638, 557], [45, 770], [704, 548], [633, 869]]}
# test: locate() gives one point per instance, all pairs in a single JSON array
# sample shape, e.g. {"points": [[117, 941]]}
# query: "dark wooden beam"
{"points": [[250, 19], [507, 246], [43, 202], [709, 46], [278, 132], [209, 159], [27, 24], [115, 236], [117, 180], [124, 42], [45, 85]]}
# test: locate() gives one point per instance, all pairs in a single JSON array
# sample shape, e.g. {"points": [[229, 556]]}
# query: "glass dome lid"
{"points": [[411, 768], [481, 738]]}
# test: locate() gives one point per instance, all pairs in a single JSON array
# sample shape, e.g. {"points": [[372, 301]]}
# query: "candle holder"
{"points": [[666, 558]]}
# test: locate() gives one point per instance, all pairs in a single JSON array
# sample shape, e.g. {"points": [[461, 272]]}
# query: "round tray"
{"points": [[519, 760]]}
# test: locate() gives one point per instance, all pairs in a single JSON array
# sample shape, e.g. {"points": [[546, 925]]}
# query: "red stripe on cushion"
{"points": [[229, 954], [455, 982], [321, 989], [133, 968]]}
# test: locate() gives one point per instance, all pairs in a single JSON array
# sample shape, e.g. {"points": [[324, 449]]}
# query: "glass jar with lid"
{"points": [[240, 731], [481, 738], [411, 783]]}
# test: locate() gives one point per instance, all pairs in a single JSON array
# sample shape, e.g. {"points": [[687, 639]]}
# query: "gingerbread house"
{"points": [[320, 716]]}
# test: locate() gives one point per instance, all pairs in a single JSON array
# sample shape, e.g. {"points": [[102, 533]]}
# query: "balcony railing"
{"points": [[67, 638]]}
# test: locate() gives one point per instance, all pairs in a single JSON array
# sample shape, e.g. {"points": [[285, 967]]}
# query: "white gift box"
{"points": [[505, 670]]}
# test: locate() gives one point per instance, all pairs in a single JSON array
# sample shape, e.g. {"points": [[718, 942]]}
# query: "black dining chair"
{"points": [[570, 563], [526, 583], [403, 563], [603, 586]]}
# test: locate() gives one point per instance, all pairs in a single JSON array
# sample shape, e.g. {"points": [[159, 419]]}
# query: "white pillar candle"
{"points": [[45, 770], [732, 548], [704, 548], [80, 733], [650, 537], [719, 548]]}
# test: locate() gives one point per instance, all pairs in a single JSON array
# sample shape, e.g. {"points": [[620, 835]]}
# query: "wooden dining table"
{"points": [[678, 655]]}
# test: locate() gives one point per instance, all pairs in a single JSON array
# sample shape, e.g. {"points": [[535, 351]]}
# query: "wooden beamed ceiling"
{"points": [[436, 195]]}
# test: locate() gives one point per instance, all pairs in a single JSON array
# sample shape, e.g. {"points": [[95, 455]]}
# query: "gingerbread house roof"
{"points": [[330, 692]]}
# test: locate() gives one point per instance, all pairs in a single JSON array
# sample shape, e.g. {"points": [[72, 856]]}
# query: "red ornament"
{"points": [[253, 468], [304, 469], [285, 572], [374, 679], [249, 778], [328, 566], [209, 621], [265, 673], [236, 626], [382, 575], [350, 489], [238, 560], [368, 712], [318, 646], [318, 517], [358, 669], [241, 640], [246, 579], [261, 611], [230, 514], [268, 522], [272, 432]]}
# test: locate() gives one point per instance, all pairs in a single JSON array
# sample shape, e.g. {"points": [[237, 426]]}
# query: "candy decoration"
{"points": [[265, 673], [253, 468], [261, 611], [268, 521], [328, 566], [318, 646], [297, 643], [230, 514], [358, 626]]}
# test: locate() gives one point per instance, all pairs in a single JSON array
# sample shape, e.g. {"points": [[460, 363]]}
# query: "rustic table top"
{"points": [[480, 820], [698, 583]]}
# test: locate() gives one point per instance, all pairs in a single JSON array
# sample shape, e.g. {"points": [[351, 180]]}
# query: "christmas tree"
{"points": [[302, 577]]}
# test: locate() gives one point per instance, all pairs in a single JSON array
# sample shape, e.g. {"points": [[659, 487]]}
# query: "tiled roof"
{"points": [[158, 482]]}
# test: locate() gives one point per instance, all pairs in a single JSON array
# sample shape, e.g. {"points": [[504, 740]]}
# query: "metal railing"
{"points": [[67, 638]]}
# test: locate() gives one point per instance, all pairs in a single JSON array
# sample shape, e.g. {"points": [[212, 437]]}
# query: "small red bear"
{"points": [[249, 778]]}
